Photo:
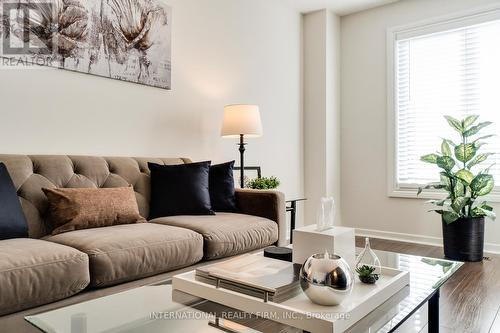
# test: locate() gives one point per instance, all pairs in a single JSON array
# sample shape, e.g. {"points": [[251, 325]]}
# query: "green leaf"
{"points": [[451, 143], [439, 203], [487, 170], [436, 186], [445, 162], [478, 144], [477, 212], [480, 212], [490, 214], [470, 120], [485, 137], [459, 203], [479, 204], [479, 159], [482, 185], [445, 180], [465, 152], [465, 175], [430, 158], [485, 206], [445, 149], [426, 187], [457, 125], [459, 189], [475, 129], [450, 217]]}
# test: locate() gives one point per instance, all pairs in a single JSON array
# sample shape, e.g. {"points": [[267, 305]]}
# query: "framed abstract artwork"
{"points": [[128, 40]]}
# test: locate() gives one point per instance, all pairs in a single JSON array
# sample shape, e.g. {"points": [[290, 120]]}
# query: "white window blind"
{"points": [[454, 72]]}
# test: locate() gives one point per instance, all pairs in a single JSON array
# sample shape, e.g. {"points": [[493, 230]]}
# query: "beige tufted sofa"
{"points": [[46, 268]]}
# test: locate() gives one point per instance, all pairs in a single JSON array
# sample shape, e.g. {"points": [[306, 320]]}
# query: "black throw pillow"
{"points": [[180, 190], [12, 221], [222, 192]]}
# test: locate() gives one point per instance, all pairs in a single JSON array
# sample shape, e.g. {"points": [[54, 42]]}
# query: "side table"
{"points": [[292, 208], [285, 253]]}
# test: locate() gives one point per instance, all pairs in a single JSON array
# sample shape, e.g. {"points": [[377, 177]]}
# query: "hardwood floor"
{"points": [[470, 300]]}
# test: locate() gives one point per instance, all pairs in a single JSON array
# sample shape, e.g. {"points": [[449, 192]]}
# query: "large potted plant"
{"points": [[462, 211]]}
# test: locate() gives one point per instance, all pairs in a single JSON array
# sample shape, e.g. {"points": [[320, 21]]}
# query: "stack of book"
{"points": [[254, 275]]}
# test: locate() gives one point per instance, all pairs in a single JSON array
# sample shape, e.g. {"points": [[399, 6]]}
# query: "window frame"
{"points": [[425, 27]]}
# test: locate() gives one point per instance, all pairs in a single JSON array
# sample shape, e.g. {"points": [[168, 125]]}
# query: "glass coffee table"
{"points": [[156, 308]]}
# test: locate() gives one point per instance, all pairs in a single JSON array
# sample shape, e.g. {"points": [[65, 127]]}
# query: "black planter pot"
{"points": [[463, 239]]}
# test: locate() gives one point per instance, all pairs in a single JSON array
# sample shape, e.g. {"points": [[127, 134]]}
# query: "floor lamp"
{"points": [[241, 121]]}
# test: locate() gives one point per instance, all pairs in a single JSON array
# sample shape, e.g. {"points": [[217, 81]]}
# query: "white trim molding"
{"points": [[428, 26], [416, 239]]}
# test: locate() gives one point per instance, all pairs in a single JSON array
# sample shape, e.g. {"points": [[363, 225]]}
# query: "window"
{"points": [[448, 68]]}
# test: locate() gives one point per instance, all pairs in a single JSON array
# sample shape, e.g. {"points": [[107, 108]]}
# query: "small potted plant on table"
{"points": [[263, 183], [366, 274], [462, 211]]}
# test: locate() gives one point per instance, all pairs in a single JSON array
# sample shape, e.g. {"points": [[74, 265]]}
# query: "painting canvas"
{"points": [[127, 40]]}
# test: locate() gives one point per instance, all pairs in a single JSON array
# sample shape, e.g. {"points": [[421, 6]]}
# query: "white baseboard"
{"points": [[417, 239]]}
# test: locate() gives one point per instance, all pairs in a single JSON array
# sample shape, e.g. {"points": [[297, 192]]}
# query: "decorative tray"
{"points": [[299, 311]]}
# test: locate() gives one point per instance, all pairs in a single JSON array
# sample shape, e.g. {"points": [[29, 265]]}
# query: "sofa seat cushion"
{"points": [[34, 272], [227, 234], [123, 253]]}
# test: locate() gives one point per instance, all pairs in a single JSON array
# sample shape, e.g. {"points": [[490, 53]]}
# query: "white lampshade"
{"points": [[241, 119]]}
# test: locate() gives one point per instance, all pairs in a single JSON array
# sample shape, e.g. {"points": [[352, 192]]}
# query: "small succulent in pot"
{"points": [[368, 265], [366, 275]]}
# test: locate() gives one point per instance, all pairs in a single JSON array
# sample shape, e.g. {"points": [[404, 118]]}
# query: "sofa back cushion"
{"points": [[180, 190], [32, 173], [221, 186], [12, 221]]}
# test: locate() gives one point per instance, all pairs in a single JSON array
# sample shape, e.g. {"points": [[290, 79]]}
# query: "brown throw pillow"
{"points": [[84, 208]]}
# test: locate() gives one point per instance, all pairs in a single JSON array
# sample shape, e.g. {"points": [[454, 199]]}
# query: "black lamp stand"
{"points": [[242, 145]]}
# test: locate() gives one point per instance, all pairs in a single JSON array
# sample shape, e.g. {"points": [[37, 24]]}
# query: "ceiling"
{"points": [[340, 7]]}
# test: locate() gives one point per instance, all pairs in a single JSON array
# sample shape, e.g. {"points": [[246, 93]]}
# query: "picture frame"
{"points": [[251, 172]]}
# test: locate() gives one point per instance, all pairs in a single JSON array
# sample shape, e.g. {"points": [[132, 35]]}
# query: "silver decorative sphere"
{"points": [[326, 279]]}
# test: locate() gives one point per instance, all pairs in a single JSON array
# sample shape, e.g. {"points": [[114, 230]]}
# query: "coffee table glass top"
{"points": [[157, 308]]}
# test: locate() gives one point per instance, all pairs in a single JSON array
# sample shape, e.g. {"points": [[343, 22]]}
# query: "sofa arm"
{"points": [[265, 203]]}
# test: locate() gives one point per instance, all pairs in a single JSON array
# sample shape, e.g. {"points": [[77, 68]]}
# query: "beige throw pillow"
{"points": [[84, 208]]}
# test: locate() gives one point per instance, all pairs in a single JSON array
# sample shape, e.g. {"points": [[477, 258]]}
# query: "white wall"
{"points": [[321, 34], [224, 51], [364, 116], [333, 115]]}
